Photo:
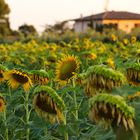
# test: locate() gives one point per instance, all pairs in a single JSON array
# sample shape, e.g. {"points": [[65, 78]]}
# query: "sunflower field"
{"points": [[76, 90]]}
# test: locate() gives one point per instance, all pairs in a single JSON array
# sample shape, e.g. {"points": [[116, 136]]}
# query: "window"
{"points": [[126, 26], [137, 25]]}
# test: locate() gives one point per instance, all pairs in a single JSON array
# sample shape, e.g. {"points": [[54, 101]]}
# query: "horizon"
{"points": [[42, 12]]}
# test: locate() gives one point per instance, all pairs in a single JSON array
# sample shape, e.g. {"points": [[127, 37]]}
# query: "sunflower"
{"points": [[113, 38], [17, 77], [135, 95], [133, 73], [125, 41], [2, 104], [2, 70], [39, 77], [89, 55], [100, 77], [48, 104], [66, 68], [112, 109], [52, 58], [133, 39]]}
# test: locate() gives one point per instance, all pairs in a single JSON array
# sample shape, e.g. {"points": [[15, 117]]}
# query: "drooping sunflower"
{"points": [[39, 77], [89, 55], [101, 77], [112, 109], [2, 104], [133, 72], [48, 104], [2, 70], [17, 77], [67, 68]]}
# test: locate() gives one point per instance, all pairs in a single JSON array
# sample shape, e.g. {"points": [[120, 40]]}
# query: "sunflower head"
{"points": [[113, 37], [2, 71], [112, 109], [125, 41], [2, 103], [100, 77], [133, 96], [133, 73], [89, 55], [133, 39], [17, 77], [39, 77], [66, 68], [48, 104], [52, 58], [111, 63]]}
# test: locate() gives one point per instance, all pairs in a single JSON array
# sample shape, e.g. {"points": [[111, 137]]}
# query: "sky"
{"points": [[42, 12]]}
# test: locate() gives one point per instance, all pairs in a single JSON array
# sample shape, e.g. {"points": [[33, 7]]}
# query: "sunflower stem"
{"points": [[27, 115], [9, 90], [65, 123], [5, 123], [135, 134], [86, 63], [75, 99]]}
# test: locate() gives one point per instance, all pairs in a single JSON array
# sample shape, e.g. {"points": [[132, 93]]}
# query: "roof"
{"points": [[111, 15]]}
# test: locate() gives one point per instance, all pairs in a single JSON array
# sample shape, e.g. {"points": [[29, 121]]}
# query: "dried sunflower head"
{"points": [[2, 103], [2, 71], [67, 68], [39, 77], [133, 73], [17, 77], [111, 109], [125, 41], [100, 77], [48, 104]]}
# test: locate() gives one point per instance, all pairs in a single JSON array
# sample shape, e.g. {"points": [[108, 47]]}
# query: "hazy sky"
{"points": [[41, 12]]}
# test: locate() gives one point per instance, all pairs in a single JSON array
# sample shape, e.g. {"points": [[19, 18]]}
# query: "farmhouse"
{"points": [[123, 20]]}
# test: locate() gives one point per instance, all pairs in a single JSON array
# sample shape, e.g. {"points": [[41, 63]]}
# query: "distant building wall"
{"points": [[81, 26], [125, 25]]}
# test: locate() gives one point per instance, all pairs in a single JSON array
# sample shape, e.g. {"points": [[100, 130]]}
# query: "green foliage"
{"points": [[34, 56]]}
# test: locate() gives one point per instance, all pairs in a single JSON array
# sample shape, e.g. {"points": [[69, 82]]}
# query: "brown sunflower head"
{"points": [[133, 72], [17, 77], [48, 104], [101, 77], [67, 68], [111, 109], [2, 103], [39, 77]]}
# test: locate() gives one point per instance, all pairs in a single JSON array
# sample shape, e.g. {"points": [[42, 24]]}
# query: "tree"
{"points": [[4, 20], [27, 30], [4, 9], [58, 27]]}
